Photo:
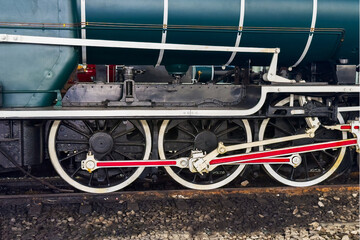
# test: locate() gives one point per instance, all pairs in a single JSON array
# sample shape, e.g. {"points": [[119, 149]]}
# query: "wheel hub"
{"points": [[206, 141], [101, 143]]}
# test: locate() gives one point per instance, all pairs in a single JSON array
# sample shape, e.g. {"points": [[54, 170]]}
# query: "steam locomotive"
{"points": [[202, 89]]}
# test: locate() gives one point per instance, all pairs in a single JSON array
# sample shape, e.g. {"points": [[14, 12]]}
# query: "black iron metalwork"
{"points": [[20, 142], [158, 95]]}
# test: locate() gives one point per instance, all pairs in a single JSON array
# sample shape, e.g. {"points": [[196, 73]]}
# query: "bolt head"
{"points": [[183, 163], [90, 165], [296, 160]]}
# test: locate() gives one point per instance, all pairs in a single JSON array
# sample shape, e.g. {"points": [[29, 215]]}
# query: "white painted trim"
{"points": [[212, 72], [311, 34], [168, 113], [122, 44], [349, 109], [164, 33], [83, 29], [239, 34]]}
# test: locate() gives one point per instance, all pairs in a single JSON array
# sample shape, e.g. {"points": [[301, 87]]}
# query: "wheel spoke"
{"points": [[227, 131], [210, 125], [211, 177], [75, 129], [105, 125], [71, 142], [306, 167], [97, 125], [234, 141], [76, 171], [317, 162], [280, 128], [124, 133], [181, 151], [292, 173], [185, 131], [73, 155], [226, 171], [277, 170], [179, 141], [107, 177], [323, 140], [124, 154], [216, 128], [194, 126], [292, 126], [115, 127], [328, 154], [90, 179], [88, 126], [112, 158], [194, 178], [141, 144]]}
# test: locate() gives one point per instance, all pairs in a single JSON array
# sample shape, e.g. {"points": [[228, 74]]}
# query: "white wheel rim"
{"points": [[187, 184], [55, 162], [288, 182]]}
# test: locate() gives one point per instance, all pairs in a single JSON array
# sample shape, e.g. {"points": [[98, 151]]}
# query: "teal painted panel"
{"points": [[34, 67], [124, 12], [205, 14], [284, 15], [342, 14], [282, 23]]}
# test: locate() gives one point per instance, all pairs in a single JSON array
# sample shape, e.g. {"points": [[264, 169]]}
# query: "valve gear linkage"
{"points": [[201, 162]]}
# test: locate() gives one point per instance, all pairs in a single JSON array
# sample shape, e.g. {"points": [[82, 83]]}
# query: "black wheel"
{"points": [[315, 166], [70, 141], [179, 137]]}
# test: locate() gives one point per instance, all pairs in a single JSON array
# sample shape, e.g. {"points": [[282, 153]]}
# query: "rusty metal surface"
{"points": [[170, 194]]}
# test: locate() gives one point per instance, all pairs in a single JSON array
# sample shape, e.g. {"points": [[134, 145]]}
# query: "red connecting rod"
{"points": [[275, 156], [243, 158]]}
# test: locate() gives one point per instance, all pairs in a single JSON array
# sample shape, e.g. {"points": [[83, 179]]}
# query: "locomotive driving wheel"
{"points": [[70, 141], [178, 138], [315, 166]]}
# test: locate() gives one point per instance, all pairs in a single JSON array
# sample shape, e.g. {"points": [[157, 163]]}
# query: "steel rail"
{"points": [[131, 196]]}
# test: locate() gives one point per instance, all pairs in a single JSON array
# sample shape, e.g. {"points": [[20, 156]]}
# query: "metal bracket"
{"points": [[58, 99], [197, 162], [271, 76]]}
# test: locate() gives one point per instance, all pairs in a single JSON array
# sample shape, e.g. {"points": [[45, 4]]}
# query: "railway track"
{"points": [[132, 197]]}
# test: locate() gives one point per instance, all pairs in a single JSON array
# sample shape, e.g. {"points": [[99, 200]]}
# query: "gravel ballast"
{"points": [[331, 215]]}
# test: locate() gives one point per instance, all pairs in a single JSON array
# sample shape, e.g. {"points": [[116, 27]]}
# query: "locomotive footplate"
{"points": [[201, 162]]}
